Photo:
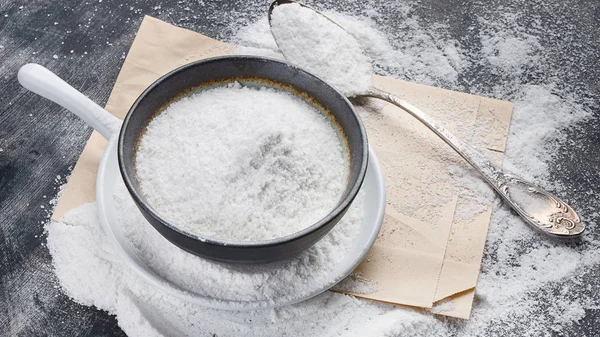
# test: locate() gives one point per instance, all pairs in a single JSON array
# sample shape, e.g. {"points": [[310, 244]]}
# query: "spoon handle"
{"points": [[541, 209]]}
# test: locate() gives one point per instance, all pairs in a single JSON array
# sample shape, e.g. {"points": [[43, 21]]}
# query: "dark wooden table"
{"points": [[86, 41]]}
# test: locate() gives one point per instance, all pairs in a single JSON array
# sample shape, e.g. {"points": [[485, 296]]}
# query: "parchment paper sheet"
{"points": [[428, 250]]}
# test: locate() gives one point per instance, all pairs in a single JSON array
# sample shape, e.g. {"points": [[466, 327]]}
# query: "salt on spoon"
{"points": [[311, 40]]}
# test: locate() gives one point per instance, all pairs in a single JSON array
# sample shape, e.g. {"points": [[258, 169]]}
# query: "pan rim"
{"points": [[140, 200]]}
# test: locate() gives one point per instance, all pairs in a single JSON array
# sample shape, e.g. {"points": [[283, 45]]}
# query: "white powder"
{"points": [[92, 273], [508, 54], [340, 61], [242, 164], [538, 114], [356, 283], [81, 253], [417, 54]]}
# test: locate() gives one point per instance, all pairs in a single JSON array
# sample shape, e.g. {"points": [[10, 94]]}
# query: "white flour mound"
{"points": [[91, 272], [242, 164], [300, 33]]}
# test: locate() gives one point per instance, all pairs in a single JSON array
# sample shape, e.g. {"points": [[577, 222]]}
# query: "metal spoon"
{"points": [[539, 208]]}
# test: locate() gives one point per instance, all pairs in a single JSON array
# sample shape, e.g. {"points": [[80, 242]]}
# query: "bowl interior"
{"points": [[221, 70]]}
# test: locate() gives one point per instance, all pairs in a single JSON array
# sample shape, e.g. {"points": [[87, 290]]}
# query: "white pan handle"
{"points": [[45, 83]]}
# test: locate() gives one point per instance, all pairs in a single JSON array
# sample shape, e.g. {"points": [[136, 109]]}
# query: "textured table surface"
{"points": [[86, 42]]}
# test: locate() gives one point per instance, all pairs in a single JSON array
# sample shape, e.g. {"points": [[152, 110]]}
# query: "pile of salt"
{"points": [[238, 163]]}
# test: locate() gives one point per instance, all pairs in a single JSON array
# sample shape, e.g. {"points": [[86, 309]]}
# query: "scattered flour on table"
{"points": [[299, 33], [529, 286], [238, 163], [356, 283], [508, 55]]}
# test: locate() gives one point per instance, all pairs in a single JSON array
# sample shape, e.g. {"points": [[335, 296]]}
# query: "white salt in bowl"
{"points": [[243, 69]]}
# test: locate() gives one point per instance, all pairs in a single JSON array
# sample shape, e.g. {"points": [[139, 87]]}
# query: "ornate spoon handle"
{"points": [[541, 209]]}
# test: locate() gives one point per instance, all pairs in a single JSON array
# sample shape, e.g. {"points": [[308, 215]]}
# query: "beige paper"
{"points": [[419, 185], [413, 261], [406, 259]]}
